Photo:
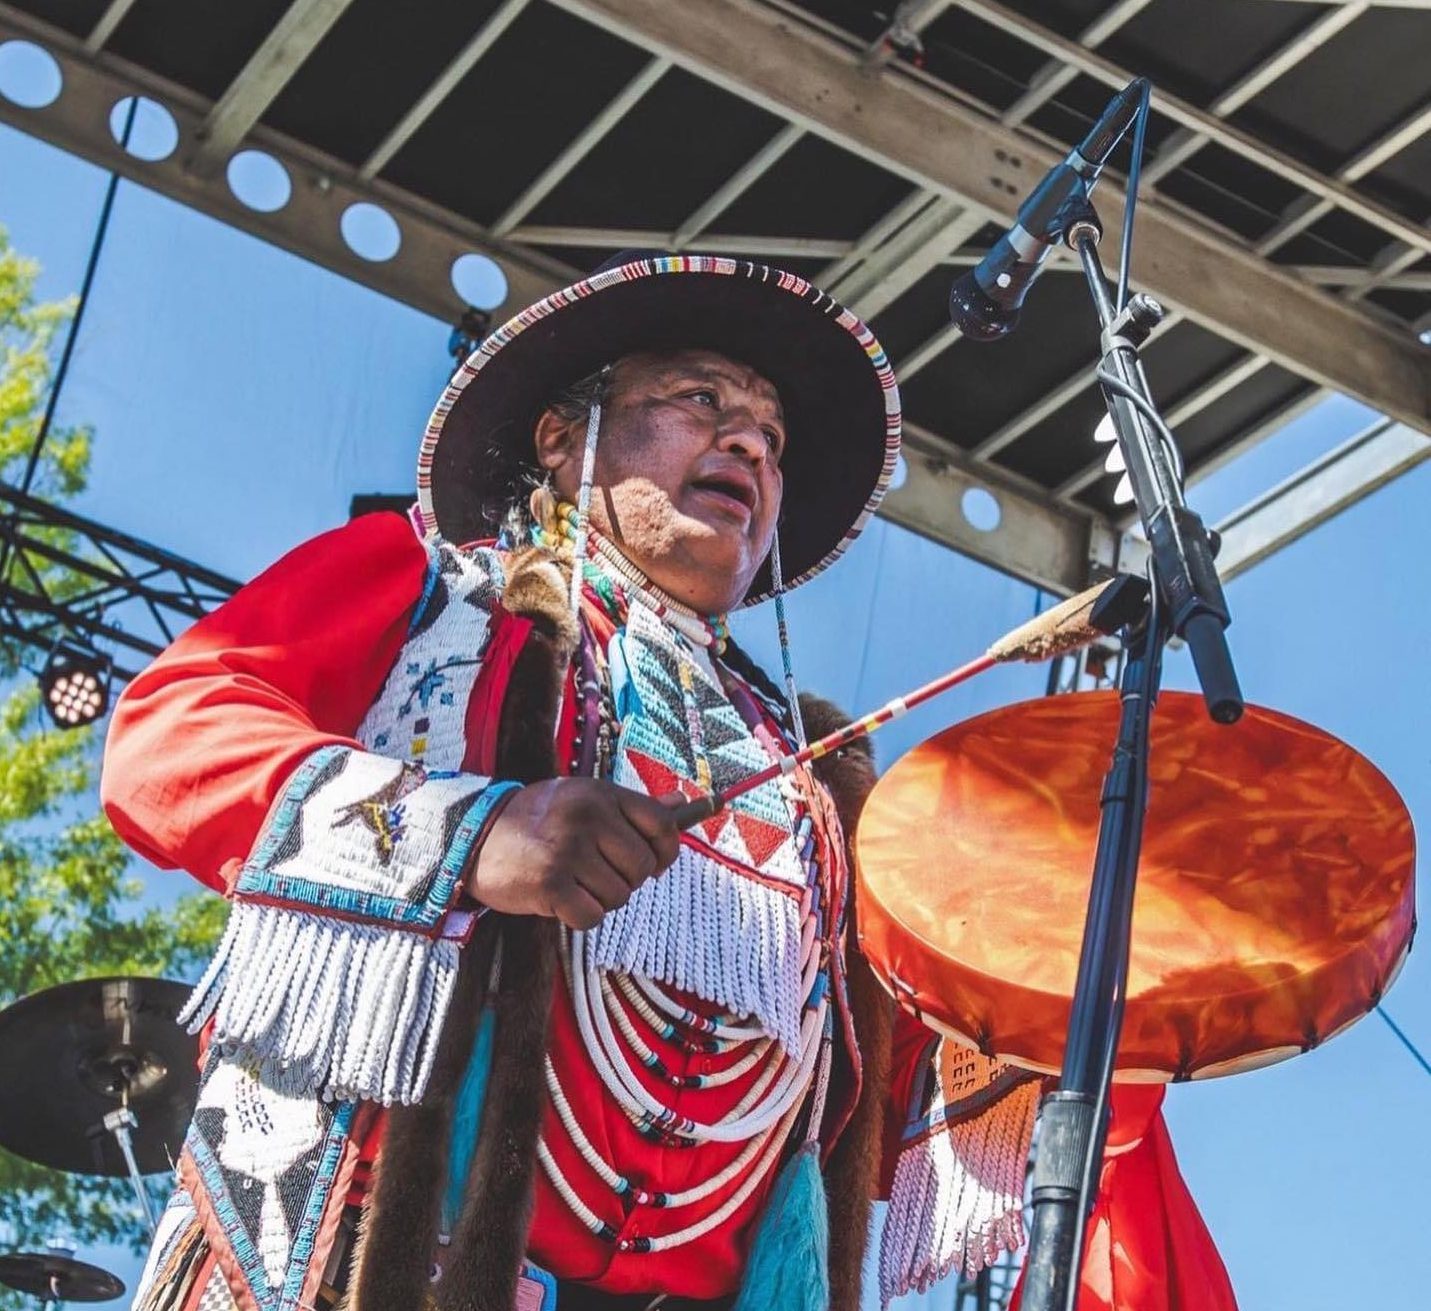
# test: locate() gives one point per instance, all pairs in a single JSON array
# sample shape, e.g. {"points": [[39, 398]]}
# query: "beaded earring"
{"points": [[777, 579]]}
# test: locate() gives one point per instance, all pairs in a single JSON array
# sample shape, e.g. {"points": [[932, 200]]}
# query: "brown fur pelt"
{"points": [[852, 1172], [398, 1235], [399, 1230]]}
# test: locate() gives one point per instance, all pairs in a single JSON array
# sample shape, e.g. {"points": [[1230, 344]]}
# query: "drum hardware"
{"points": [[99, 1079], [55, 1277]]}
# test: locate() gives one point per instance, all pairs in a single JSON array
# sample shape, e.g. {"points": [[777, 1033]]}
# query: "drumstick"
{"points": [[1064, 628]]}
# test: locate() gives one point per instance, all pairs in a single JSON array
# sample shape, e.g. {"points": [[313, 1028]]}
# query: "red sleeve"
{"points": [[202, 742]]}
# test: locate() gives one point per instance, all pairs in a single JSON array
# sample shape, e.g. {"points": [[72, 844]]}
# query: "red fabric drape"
{"points": [[1147, 1248]]}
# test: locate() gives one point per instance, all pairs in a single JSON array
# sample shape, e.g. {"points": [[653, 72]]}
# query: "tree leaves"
{"points": [[70, 906]]}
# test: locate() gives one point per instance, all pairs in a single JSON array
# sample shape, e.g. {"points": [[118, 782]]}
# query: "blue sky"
{"points": [[241, 396]]}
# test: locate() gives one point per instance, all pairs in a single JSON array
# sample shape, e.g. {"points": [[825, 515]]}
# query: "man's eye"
{"points": [[772, 435], [705, 396]]}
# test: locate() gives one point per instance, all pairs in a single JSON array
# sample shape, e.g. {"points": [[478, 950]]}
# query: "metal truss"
{"points": [[290, 41], [69, 576], [966, 169], [1334, 192], [750, 50], [1311, 496], [432, 238]]}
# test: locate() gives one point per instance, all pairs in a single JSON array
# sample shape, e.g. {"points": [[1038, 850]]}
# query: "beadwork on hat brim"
{"points": [[837, 389]]}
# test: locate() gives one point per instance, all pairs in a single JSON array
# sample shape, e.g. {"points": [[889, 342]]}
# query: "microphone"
{"points": [[984, 303]]}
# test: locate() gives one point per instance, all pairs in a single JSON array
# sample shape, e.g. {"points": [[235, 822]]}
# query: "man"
{"points": [[485, 1030]]}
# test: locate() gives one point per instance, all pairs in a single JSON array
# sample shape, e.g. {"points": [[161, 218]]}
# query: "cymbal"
{"points": [[47, 1274], [68, 1055], [1275, 895]]}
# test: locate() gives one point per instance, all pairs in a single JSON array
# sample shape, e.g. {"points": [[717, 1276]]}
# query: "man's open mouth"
{"points": [[730, 487]]}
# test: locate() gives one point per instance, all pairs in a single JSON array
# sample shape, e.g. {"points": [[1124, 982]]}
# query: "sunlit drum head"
{"points": [[1274, 903]]}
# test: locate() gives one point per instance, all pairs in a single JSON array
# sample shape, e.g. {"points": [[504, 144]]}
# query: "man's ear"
{"points": [[555, 441]]}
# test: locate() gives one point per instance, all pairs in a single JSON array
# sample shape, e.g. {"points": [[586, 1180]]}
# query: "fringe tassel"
{"points": [[351, 1010], [730, 940], [957, 1199], [789, 1263]]}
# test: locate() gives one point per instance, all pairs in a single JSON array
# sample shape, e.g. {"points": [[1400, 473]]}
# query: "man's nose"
{"points": [[741, 434]]}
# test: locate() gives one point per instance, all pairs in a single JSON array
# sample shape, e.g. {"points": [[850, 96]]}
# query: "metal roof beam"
{"points": [[442, 87], [111, 18], [736, 186], [1046, 83], [323, 187], [289, 42], [1049, 80], [763, 56], [1333, 190], [531, 234], [1315, 494], [1183, 144], [581, 145], [904, 259], [1385, 4], [1051, 546]]}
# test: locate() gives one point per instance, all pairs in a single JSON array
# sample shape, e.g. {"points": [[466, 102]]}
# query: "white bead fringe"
{"points": [[730, 940], [957, 1198], [349, 1010]]}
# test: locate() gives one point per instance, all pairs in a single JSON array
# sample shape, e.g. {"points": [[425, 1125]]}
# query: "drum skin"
{"points": [[1275, 897]]}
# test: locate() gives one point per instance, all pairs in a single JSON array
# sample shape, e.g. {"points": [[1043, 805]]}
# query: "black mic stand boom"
{"points": [[1185, 599]]}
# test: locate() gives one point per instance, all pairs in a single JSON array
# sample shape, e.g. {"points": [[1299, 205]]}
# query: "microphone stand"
{"points": [[1185, 599]]}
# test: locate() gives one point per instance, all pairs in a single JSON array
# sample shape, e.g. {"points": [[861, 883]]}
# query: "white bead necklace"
{"points": [[741, 1122], [619, 1183], [665, 1242]]}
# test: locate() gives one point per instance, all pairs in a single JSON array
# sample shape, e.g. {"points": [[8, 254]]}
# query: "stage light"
{"points": [[1106, 435], [1123, 493], [74, 684]]}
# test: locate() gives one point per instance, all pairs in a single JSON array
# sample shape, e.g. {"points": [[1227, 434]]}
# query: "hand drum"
{"points": [[1274, 901]]}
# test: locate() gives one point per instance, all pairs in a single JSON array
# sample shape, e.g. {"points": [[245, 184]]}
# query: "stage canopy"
{"points": [[1282, 220]]}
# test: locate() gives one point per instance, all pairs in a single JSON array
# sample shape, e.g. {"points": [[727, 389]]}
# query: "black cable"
{"points": [[65, 355], [62, 369], [1144, 407], [1135, 172], [1405, 1041]]}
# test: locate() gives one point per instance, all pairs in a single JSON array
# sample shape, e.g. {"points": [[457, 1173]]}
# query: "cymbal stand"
{"points": [[1185, 598], [120, 1122]]}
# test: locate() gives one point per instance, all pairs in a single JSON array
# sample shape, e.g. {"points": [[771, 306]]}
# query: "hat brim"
{"points": [[837, 390]]}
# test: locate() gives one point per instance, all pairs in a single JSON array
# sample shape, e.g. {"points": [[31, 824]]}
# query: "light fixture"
{"points": [[1123, 493], [74, 684]]}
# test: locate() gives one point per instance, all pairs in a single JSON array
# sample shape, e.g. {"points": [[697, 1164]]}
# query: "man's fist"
{"points": [[573, 849]]}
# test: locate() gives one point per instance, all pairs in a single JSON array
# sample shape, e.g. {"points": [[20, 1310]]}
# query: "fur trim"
{"points": [[852, 1171], [400, 1213], [491, 1235], [400, 1223]]}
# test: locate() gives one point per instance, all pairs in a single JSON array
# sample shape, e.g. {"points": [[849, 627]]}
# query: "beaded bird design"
{"points": [[382, 813]]}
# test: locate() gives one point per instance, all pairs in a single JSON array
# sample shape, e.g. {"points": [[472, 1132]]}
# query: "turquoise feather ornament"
{"points": [[789, 1265], [467, 1119]]}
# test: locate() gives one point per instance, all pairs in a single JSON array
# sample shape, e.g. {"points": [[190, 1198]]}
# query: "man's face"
{"points": [[688, 477]]}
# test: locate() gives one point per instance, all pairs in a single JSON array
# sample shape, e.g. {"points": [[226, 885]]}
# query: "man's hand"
{"points": [[572, 849]]}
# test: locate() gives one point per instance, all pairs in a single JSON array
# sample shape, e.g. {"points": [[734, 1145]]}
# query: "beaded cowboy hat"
{"points": [[835, 384]]}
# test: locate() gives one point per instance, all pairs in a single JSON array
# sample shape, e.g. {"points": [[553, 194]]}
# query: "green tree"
{"points": [[69, 903]]}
